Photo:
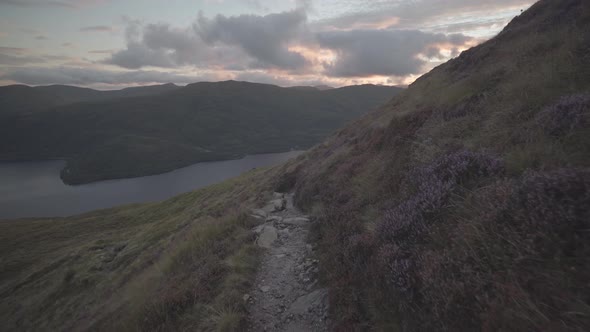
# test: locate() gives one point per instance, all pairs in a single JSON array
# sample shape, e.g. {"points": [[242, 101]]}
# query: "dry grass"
{"points": [[162, 266], [405, 249]]}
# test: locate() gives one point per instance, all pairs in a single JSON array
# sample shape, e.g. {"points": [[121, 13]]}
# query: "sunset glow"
{"points": [[111, 44]]}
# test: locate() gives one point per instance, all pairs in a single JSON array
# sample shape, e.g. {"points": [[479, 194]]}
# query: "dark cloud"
{"points": [[86, 76], [245, 41], [159, 45], [364, 53], [97, 28], [264, 38], [137, 55]]}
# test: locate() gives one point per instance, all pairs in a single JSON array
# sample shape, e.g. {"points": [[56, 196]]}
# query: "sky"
{"points": [[110, 44]]}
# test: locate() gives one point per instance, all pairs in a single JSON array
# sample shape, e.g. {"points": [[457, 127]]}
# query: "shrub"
{"points": [[428, 188], [517, 261], [569, 113]]}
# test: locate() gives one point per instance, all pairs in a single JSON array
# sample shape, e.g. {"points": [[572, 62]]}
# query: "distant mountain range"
{"points": [[23, 98], [148, 130]]}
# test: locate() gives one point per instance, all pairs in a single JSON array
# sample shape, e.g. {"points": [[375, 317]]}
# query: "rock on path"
{"points": [[285, 296]]}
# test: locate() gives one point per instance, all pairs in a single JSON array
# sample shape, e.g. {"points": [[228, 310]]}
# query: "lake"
{"points": [[34, 189]]}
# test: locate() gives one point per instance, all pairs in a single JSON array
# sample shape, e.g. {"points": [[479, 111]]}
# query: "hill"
{"points": [[157, 132], [19, 99], [72, 94], [462, 204]]}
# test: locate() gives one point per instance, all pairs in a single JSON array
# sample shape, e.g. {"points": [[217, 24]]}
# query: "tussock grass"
{"points": [[181, 264], [412, 237]]}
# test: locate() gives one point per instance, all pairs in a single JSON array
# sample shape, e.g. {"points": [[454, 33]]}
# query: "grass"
{"points": [[184, 263], [403, 250]]}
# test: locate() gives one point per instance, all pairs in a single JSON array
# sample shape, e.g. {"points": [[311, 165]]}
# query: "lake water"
{"points": [[34, 189]]}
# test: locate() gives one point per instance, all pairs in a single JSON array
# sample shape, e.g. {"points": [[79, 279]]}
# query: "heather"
{"points": [[463, 203], [568, 114]]}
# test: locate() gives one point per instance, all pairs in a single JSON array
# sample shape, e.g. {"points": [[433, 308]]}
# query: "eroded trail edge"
{"points": [[286, 295]]}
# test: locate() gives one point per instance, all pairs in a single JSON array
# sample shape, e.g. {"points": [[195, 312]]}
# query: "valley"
{"points": [[152, 130], [462, 203]]}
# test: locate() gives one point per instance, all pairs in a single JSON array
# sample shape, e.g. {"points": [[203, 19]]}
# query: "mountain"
{"points": [[156, 129], [462, 204], [18, 99], [72, 94], [21, 99]]}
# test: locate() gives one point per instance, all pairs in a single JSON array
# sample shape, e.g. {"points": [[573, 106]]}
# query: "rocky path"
{"points": [[286, 296]]}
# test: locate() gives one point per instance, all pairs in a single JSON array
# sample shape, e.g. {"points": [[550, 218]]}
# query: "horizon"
{"points": [[108, 45], [181, 85]]}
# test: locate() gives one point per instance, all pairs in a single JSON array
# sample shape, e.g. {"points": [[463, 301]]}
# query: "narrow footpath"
{"points": [[286, 295]]}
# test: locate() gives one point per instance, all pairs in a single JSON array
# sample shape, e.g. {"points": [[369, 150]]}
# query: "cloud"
{"points": [[264, 38], [12, 60], [17, 56], [425, 15], [13, 50], [280, 79], [86, 76], [97, 28], [362, 53], [41, 37], [245, 41], [73, 4], [101, 51], [158, 45], [355, 41]]}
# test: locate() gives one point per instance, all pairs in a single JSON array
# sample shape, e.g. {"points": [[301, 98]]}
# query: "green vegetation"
{"points": [[463, 204], [179, 264], [154, 133]]}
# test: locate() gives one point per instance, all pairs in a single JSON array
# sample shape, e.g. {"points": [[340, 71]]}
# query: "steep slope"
{"points": [[464, 204], [137, 136]]}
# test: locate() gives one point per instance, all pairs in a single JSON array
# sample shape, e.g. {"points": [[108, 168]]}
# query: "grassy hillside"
{"points": [[463, 204], [137, 136], [181, 264]]}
